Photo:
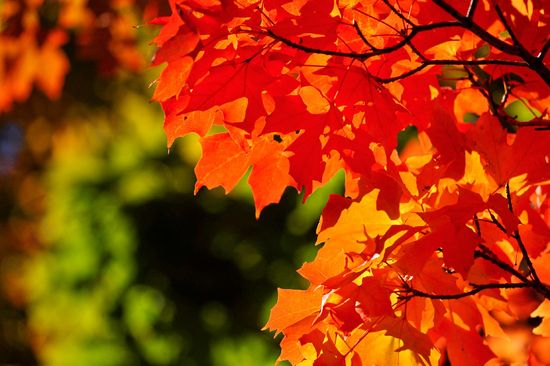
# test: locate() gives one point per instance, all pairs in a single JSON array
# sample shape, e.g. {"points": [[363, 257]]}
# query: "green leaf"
{"points": [[470, 117], [521, 111], [499, 87], [450, 75], [482, 51]]}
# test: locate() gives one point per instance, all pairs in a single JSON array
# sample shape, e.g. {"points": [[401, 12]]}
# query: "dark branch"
{"points": [[398, 13], [539, 123], [509, 198], [516, 49], [409, 292], [476, 223], [316, 50], [477, 62], [381, 21], [490, 256], [462, 21], [467, 23], [382, 51], [495, 221], [508, 28], [362, 36], [516, 235], [427, 63], [544, 50], [506, 120], [400, 77], [471, 9], [537, 283]]}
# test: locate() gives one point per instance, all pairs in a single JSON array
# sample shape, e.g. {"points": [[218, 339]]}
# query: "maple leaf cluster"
{"points": [[34, 33], [437, 114]]}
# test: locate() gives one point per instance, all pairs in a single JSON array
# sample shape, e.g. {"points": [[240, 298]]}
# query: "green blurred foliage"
{"points": [[129, 267]]}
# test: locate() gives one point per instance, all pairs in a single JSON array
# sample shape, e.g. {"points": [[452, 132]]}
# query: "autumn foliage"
{"points": [[35, 33], [437, 113]]}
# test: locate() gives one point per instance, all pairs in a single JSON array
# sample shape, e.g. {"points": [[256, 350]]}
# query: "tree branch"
{"points": [[408, 34], [407, 292], [467, 23], [476, 224], [398, 13], [471, 9], [400, 77], [544, 50], [490, 256], [497, 223], [362, 36], [412, 292], [487, 254], [509, 29], [516, 235], [381, 51], [538, 123], [377, 51], [535, 63], [427, 63]]}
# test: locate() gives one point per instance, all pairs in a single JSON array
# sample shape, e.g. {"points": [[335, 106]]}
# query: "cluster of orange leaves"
{"points": [[298, 100], [34, 32]]}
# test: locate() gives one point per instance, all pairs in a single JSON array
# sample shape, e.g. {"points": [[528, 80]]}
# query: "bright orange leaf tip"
{"points": [[436, 112], [292, 307], [224, 163]]}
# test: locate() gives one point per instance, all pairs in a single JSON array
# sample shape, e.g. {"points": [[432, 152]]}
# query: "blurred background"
{"points": [[106, 257]]}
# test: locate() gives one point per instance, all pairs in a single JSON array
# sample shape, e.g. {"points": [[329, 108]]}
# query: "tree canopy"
{"points": [[437, 114]]}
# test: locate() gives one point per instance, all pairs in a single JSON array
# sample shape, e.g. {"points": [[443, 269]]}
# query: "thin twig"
{"points": [[509, 198], [399, 14], [490, 256], [362, 36], [516, 235], [495, 221], [516, 49], [382, 51], [477, 30], [412, 292], [544, 50], [508, 28], [542, 124], [407, 40], [476, 223], [471, 9]]}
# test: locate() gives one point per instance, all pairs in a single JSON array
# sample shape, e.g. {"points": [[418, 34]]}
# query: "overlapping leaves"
{"points": [[421, 255]]}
